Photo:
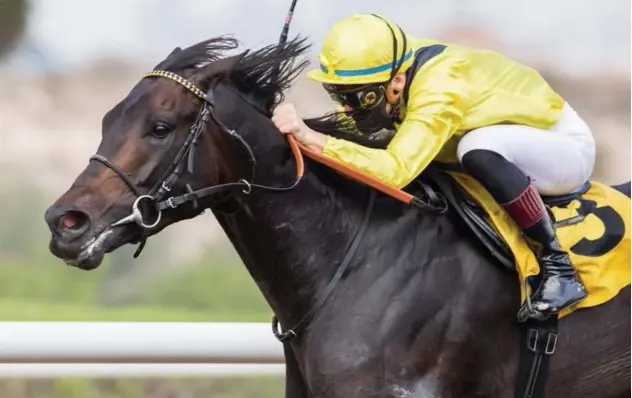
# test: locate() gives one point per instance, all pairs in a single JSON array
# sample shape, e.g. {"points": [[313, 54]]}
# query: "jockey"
{"points": [[501, 120]]}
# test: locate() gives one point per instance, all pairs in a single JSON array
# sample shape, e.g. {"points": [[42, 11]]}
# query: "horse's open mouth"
{"points": [[92, 252]]}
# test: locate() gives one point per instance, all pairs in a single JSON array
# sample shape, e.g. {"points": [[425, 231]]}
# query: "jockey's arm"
{"points": [[435, 109]]}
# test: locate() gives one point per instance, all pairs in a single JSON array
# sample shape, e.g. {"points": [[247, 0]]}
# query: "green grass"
{"points": [[229, 387], [212, 290]]}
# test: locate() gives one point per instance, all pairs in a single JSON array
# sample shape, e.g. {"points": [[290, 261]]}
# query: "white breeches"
{"points": [[558, 160]]}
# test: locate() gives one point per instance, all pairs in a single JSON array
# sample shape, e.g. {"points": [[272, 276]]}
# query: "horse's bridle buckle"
{"points": [[171, 203]]}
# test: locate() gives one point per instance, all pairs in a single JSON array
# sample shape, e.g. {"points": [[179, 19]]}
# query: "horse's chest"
{"points": [[362, 375], [427, 386]]}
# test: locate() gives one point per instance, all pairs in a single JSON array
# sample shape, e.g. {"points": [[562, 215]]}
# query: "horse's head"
{"points": [[166, 154]]}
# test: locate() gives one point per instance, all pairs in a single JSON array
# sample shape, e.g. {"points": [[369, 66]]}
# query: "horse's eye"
{"points": [[160, 130]]}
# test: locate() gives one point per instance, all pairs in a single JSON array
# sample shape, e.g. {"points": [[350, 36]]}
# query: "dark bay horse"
{"points": [[419, 311]]}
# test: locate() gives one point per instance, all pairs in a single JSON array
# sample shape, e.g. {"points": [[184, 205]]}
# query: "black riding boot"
{"points": [[559, 287]]}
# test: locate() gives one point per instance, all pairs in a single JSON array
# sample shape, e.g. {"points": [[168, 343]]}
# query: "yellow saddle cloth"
{"points": [[594, 229]]}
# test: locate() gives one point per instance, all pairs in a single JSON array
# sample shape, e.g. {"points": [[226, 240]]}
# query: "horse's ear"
{"points": [[175, 51]]}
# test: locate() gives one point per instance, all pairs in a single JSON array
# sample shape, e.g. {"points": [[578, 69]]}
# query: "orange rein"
{"points": [[299, 149]]}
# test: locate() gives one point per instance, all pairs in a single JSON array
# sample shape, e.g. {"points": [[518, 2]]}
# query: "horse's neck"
{"points": [[282, 239], [285, 242]]}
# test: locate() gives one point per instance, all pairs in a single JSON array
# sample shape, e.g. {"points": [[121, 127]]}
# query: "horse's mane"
{"points": [[263, 75]]}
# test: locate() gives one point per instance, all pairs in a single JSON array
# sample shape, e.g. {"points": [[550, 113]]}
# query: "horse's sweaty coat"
{"points": [[598, 245]]}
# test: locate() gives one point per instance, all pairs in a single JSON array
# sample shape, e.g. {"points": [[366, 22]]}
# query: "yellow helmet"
{"points": [[363, 49]]}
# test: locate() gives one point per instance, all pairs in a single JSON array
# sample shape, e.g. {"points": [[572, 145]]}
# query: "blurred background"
{"points": [[64, 63]]}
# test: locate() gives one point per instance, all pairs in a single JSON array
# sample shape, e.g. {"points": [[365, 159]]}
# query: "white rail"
{"points": [[138, 343], [136, 370]]}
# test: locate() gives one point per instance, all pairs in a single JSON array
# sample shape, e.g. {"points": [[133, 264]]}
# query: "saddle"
{"points": [[592, 224], [476, 218]]}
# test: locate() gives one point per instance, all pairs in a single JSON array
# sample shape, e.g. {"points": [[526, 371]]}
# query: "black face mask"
{"points": [[370, 121], [368, 106]]}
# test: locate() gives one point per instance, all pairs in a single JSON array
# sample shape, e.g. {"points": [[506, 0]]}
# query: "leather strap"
{"points": [[322, 297], [538, 341], [119, 172]]}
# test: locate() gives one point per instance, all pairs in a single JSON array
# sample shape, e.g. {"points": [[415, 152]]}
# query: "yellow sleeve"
{"points": [[437, 101]]}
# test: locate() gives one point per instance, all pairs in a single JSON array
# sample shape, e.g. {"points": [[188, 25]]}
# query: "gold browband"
{"points": [[178, 79]]}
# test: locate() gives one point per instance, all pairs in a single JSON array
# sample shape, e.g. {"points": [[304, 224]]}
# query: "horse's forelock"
{"points": [[198, 55]]}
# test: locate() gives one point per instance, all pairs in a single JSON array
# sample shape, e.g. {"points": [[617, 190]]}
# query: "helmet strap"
{"points": [[397, 61]]}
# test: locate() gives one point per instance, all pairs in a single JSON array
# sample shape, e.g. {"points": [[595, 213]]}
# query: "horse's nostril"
{"points": [[70, 220], [73, 221]]}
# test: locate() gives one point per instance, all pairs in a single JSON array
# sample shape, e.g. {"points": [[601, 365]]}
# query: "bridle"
{"points": [[157, 198]]}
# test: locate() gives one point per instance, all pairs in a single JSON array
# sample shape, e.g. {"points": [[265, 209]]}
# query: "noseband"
{"points": [[155, 200]]}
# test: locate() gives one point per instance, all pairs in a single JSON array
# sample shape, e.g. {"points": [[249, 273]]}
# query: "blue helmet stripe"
{"points": [[366, 71]]}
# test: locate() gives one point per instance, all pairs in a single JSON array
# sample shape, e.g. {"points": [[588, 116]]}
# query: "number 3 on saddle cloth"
{"points": [[593, 226]]}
